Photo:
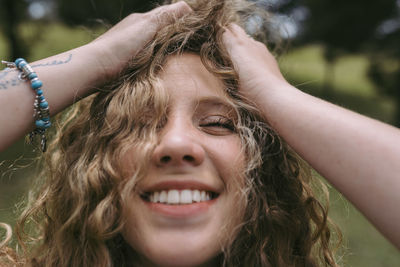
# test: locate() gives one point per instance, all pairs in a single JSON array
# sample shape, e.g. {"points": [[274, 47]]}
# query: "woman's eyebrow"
{"points": [[214, 101]]}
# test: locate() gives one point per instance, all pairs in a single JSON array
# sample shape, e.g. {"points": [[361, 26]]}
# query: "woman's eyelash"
{"points": [[220, 122]]}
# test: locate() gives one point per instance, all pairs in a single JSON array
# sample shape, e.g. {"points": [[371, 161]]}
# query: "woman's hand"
{"points": [[74, 74], [257, 68], [356, 154], [122, 42]]}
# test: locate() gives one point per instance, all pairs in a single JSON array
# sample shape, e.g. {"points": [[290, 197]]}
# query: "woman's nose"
{"points": [[178, 147]]}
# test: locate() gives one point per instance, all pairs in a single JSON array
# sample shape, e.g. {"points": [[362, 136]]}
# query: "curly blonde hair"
{"points": [[76, 215]]}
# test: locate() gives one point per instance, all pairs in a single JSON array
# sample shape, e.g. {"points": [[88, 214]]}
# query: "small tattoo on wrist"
{"points": [[12, 81]]}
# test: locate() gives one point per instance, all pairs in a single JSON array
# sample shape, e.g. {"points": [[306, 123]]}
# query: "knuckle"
{"points": [[134, 17], [259, 44], [185, 6]]}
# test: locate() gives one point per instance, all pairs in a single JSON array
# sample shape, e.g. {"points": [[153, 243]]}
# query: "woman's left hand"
{"points": [[123, 41], [258, 71], [358, 155]]}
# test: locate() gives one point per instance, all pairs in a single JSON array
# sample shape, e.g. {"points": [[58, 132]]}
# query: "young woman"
{"points": [[174, 161]]}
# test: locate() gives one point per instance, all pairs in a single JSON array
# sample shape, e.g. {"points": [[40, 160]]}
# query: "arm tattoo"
{"points": [[12, 80], [54, 62], [12, 74]]}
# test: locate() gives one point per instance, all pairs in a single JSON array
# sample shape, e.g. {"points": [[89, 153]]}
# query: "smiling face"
{"points": [[185, 206]]}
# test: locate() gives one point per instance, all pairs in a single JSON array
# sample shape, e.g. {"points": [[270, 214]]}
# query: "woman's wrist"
{"points": [[272, 95], [99, 60]]}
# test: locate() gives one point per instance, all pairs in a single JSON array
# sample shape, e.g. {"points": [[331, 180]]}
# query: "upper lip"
{"points": [[180, 185]]}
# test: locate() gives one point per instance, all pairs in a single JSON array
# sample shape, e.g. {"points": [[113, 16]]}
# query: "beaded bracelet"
{"points": [[41, 107]]}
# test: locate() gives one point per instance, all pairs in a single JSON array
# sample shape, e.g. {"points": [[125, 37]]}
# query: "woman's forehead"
{"points": [[185, 76]]}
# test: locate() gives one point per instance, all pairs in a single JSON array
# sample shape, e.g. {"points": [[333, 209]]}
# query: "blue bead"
{"points": [[46, 119], [44, 104], [36, 84], [40, 124], [41, 97], [19, 60], [32, 76], [39, 92], [21, 64]]}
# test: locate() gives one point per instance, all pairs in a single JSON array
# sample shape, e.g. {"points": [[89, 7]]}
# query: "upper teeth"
{"points": [[179, 197]]}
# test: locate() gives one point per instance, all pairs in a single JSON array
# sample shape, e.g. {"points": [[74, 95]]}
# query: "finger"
{"points": [[181, 8], [239, 31], [169, 13], [227, 38], [235, 35], [230, 40]]}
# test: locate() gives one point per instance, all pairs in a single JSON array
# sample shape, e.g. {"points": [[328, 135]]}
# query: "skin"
{"points": [[358, 155], [192, 147], [69, 76]]}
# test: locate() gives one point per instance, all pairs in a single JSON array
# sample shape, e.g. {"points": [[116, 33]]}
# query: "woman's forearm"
{"points": [[66, 78], [358, 155], [74, 74]]}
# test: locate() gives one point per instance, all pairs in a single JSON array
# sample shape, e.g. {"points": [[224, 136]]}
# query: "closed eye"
{"points": [[218, 124]]}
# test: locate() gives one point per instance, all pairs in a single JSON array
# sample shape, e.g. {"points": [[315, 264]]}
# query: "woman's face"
{"points": [[184, 208]]}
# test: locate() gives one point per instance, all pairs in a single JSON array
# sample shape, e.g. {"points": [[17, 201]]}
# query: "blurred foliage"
{"points": [[358, 26], [78, 12], [343, 24], [304, 68], [385, 65], [12, 12]]}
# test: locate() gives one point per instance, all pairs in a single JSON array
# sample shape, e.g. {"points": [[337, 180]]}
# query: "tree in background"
{"points": [[12, 14], [358, 26], [343, 26], [78, 12], [385, 61]]}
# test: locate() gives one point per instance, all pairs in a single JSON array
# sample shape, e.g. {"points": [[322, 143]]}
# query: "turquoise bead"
{"points": [[21, 64], [32, 76], [46, 119], [41, 97], [39, 92], [36, 84], [18, 61], [41, 124], [44, 104]]}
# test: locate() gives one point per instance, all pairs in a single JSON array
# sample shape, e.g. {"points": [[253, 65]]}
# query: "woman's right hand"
{"points": [[74, 74], [258, 70], [123, 41], [358, 155]]}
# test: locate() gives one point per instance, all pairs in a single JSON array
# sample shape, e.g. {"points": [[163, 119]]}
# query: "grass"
{"points": [[304, 67], [350, 86], [49, 39]]}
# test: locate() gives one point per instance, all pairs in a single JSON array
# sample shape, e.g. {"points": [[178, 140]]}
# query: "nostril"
{"points": [[165, 159], [188, 158]]}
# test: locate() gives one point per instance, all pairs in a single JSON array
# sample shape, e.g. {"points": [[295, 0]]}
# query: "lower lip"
{"points": [[181, 211]]}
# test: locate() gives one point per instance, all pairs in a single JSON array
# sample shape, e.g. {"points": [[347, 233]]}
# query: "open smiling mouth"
{"points": [[179, 197]]}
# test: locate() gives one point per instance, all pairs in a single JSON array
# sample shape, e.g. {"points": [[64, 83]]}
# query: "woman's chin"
{"points": [[178, 257], [176, 249], [177, 252]]}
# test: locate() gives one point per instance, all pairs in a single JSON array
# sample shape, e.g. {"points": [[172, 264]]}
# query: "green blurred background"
{"points": [[344, 51]]}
